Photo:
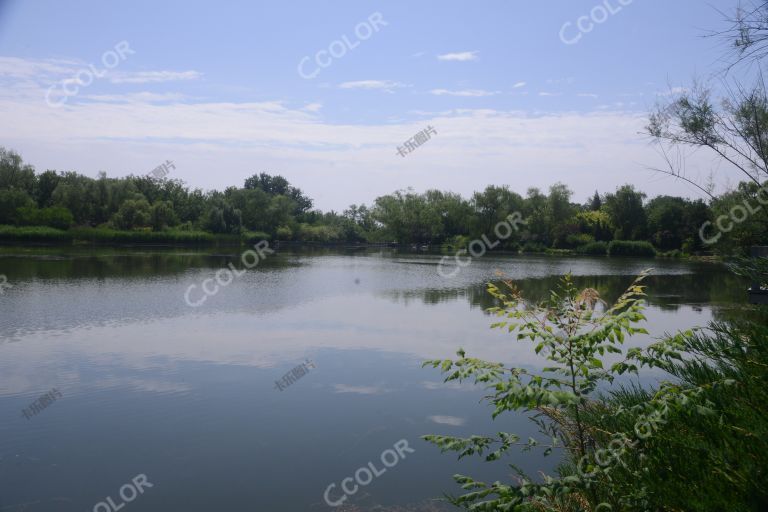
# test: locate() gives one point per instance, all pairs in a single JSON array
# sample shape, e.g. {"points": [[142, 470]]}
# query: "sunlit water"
{"points": [[187, 396]]}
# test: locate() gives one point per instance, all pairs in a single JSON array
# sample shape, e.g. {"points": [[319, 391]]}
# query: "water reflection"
{"points": [[187, 396]]}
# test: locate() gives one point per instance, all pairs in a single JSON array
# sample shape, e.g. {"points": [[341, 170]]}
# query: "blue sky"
{"points": [[215, 88]]}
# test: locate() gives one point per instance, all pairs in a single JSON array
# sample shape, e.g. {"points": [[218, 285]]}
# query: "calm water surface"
{"points": [[187, 396]]}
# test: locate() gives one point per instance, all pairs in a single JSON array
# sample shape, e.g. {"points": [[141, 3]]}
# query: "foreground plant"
{"points": [[575, 332]]}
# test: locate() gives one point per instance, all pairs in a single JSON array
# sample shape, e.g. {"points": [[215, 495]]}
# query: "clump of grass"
{"points": [[631, 248]]}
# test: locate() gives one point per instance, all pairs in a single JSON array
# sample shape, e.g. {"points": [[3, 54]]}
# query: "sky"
{"points": [[326, 93]]}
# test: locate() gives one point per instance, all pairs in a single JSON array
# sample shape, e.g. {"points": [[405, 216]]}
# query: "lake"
{"points": [[187, 396]]}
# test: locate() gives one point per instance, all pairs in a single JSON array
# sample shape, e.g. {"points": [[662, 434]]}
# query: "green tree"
{"points": [[627, 214], [133, 213]]}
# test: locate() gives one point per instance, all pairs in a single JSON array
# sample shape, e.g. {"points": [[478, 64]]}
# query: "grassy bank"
{"points": [[101, 236]]}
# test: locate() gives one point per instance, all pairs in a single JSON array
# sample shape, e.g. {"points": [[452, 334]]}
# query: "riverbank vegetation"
{"points": [[66, 207], [695, 440]]}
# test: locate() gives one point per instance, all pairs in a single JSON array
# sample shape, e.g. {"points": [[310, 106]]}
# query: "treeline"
{"points": [[146, 208]]}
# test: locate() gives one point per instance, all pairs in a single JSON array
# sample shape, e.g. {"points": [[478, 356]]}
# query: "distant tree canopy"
{"points": [[271, 205]]}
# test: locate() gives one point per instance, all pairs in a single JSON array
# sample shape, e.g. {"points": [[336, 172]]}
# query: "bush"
{"points": [[284, 233], [594, 249], [559, 252], [34, 234], [56, 217], [631, 248], [578, 240], [103, 235], [252, 237], [530, 247]]}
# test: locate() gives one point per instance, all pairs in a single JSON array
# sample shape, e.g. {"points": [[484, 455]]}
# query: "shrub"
{"points": [[252, 237], [578, 239], [284, 233], [55, 217], [631, 248], [558, 252], [530, 247], [594, 249], [34, 234]]}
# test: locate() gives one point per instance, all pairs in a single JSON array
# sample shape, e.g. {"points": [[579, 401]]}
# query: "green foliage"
{"points": [[631, 248], [711, 454], [133, 213], [575, 333], [627, 214], [594, 249], [698, 442], [533, 247], [271, 205], [33, 234], [11, 201], [54, 216]]}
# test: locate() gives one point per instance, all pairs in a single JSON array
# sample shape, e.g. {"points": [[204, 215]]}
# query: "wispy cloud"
{"points": [[545, 94], [587, 95], [382, 85], [459, 56], [144, 77], [137, 97], [447, 420], [313, 107], [360, 390], [519, 85], [463, 92], [674, 91]]}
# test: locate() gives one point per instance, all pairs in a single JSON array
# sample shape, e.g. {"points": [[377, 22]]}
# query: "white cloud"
{"points": [[580, 148], [360, 390], [519, 85], [460, 56], [447, 420], [546, 94], [674, 91], [587, 95], [143, 77], [137, 97], [465, 92], [313, 107], [383, 85]]}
